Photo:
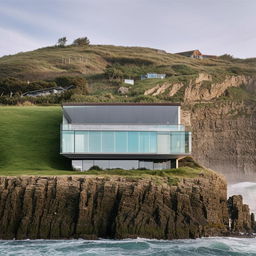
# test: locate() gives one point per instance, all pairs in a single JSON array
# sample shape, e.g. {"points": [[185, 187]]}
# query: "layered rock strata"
{"points": [[116, 207]]}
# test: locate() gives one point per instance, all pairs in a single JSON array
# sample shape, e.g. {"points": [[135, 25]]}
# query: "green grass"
{"points": [[181, 172], [29, 140], [90, 63], [48, 63]]}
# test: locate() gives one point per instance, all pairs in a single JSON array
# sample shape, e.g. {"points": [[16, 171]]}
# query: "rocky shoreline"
{"points": [[92, 207]]}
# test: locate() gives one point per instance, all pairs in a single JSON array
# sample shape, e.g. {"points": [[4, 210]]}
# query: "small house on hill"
{"points": [[196, 54]]}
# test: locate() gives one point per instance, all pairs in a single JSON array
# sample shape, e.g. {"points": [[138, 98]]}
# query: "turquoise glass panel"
{"points": [[178, 142], [133, 142], [121, 142], [108, 139], [144, 142], [81, 141], [94, 142], [126, 142], [68, 141], [152, 142]]}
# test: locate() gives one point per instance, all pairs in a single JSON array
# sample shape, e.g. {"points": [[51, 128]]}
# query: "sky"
{"points": [[212, 26]]}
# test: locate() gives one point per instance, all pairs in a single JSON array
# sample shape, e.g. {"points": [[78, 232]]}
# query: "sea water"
{"points": [[131, 247]]}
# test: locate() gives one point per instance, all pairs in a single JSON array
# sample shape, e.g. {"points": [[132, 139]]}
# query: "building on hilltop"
{"points": [[196, 54], [152, 75], [127, 136]]}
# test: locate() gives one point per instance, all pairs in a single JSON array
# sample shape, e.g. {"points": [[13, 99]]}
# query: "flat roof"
{"points": [[121, 104], [119, 113]]}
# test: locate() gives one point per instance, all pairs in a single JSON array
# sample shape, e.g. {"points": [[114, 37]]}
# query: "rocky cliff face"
{"points": [[115, 207], [201, 88], [224, 138]]}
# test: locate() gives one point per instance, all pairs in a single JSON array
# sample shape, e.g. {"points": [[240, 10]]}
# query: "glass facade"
{"points": [[137, 142]]}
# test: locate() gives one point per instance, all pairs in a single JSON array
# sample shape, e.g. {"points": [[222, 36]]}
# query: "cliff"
{"points": [[117, 207], [224, 138]]}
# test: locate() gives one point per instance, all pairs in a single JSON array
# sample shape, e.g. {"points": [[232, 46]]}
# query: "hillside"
{"points": [[128, 62]]}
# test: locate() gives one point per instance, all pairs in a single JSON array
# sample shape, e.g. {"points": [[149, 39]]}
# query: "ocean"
{"points": [[205, 246]]}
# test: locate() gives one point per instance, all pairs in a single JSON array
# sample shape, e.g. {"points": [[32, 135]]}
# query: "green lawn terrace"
{"points": [[30, 140]]}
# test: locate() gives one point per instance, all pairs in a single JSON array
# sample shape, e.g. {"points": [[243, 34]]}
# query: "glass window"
{"points": [[133, 142], [67, 141], [144, 142], [152, 142], [163, 143], [94, 142], [108, 139], [177, 142], [121, 142], [81, 141]]}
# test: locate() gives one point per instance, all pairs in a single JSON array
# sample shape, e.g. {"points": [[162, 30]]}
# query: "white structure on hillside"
{"points": [[129, 81]]}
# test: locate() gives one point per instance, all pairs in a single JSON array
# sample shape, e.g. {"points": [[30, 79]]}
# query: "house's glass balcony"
{"points": [[125, 141], [121, 127]]}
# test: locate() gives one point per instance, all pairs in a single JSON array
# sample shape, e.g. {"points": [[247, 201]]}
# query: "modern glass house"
{"points": [[127, 136]]}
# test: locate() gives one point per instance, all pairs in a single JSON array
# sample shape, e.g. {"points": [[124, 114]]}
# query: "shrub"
{"points": [[80, 84], [95, 168], [113, 72], [81, 41], [146, 99], [226, 56], [189, 162]]}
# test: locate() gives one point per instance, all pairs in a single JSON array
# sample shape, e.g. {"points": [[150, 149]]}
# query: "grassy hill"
{"points": [[90, 62], [29, 141]]}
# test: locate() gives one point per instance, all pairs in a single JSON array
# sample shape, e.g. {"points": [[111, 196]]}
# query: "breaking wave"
{"points": [[145, 247]]}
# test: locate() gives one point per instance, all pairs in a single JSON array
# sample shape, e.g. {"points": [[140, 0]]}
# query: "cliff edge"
{"points": [[92, 206]]}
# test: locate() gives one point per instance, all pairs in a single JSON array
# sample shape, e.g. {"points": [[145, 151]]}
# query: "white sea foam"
{"points": [[247, 190], [141, 247]]}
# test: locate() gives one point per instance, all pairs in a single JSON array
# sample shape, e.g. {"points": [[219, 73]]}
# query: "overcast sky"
{"points": [[212, 26]]}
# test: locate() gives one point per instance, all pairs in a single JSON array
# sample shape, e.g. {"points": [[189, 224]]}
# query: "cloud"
{"points": [[215, 27], [14, 42]]}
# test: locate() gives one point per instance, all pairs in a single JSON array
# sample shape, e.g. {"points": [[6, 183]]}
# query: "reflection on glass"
{"points": [[108, 142], [68, 141], [126, 142], [81, 142], [133, 142], [121, 142]]}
